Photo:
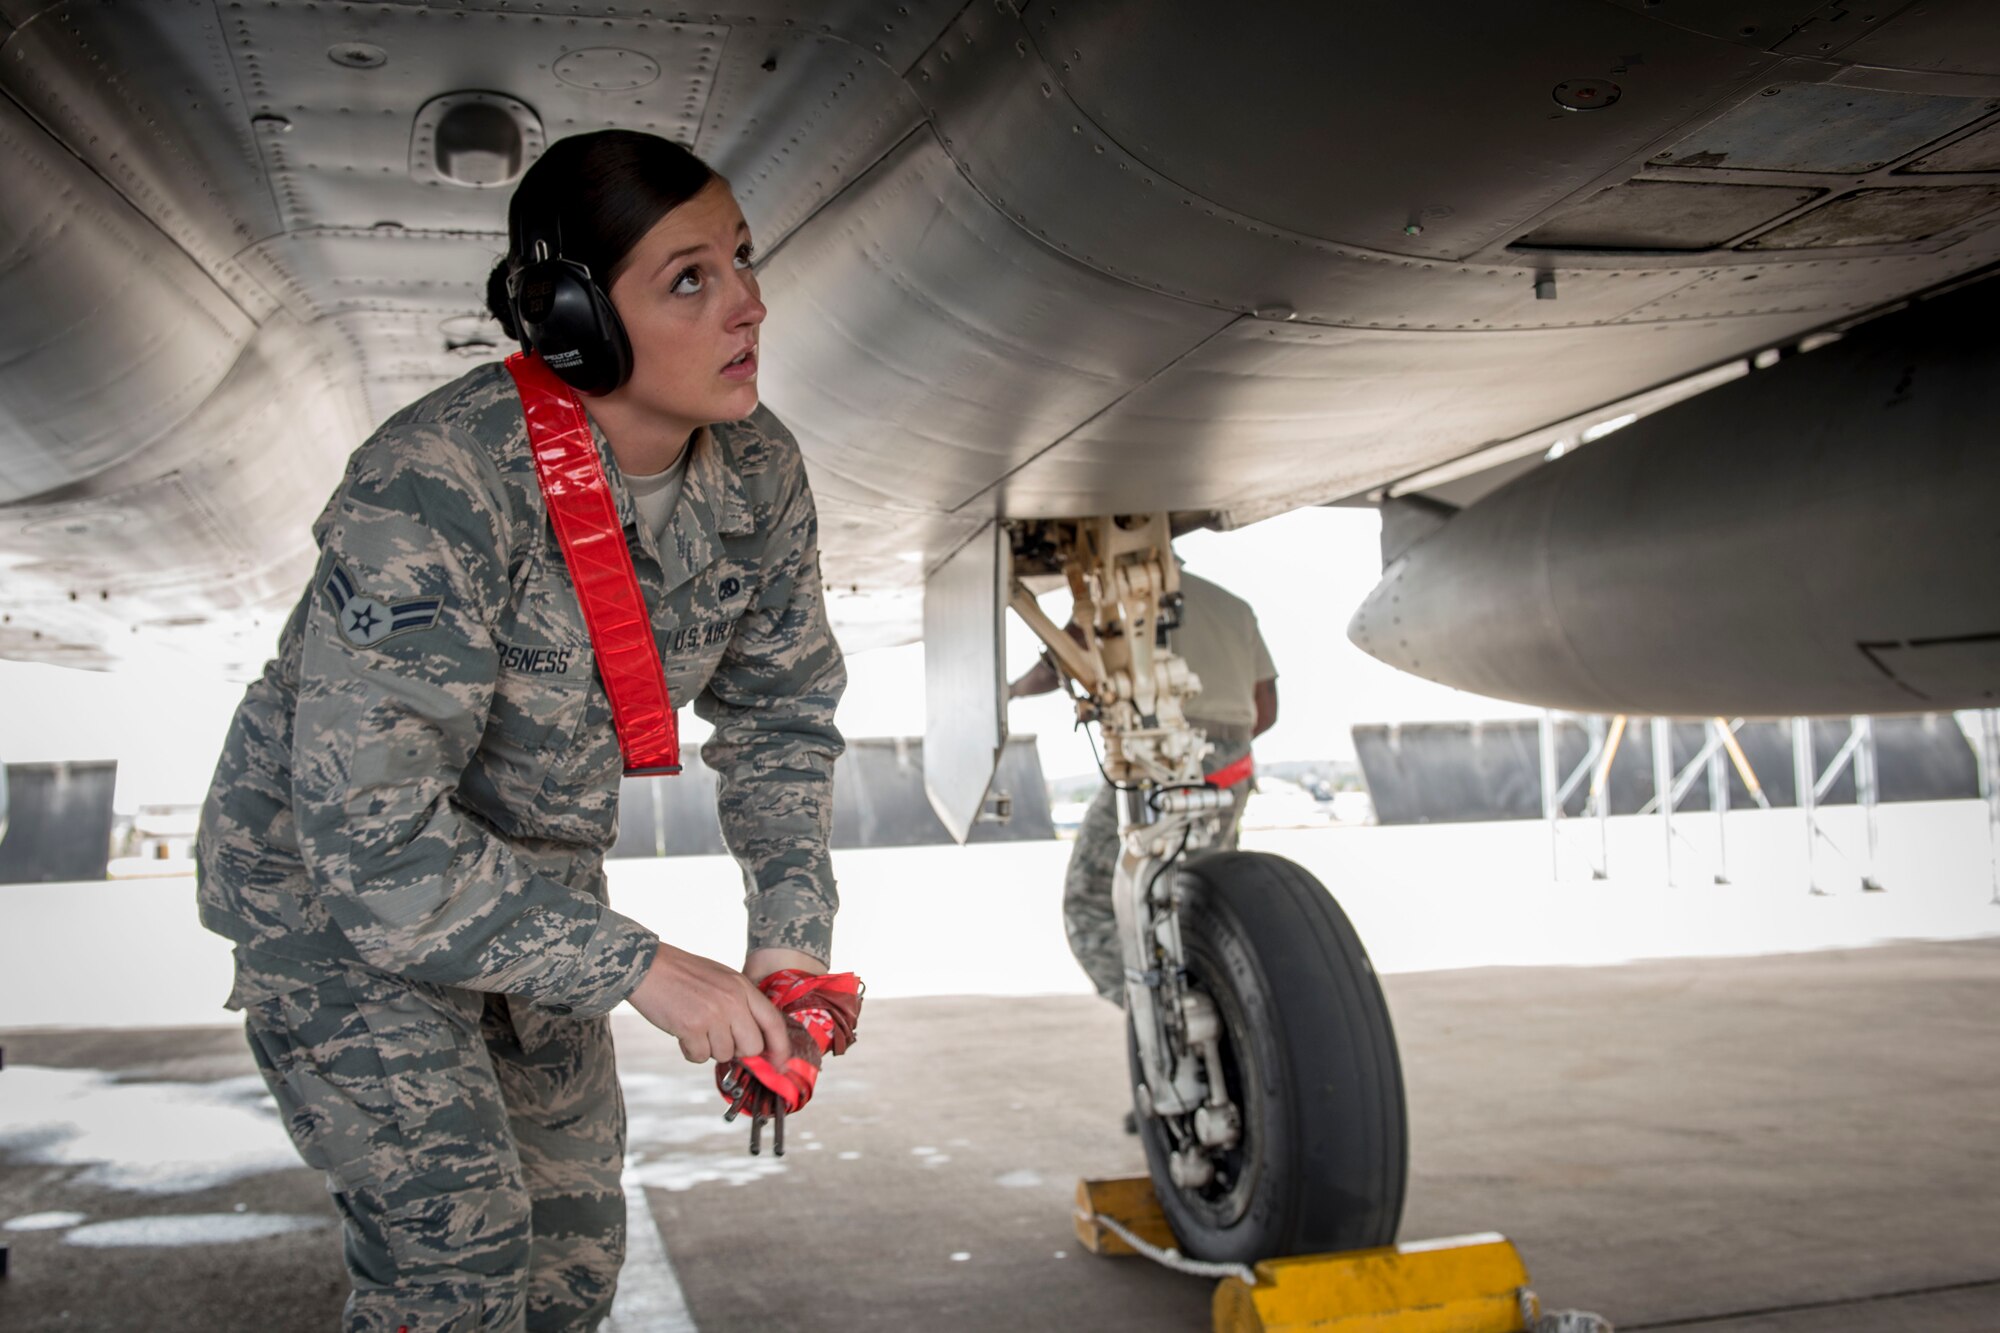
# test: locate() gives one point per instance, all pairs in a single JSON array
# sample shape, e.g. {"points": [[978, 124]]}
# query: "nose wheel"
{"points": [[1316, 1157], [1266, 1085]]}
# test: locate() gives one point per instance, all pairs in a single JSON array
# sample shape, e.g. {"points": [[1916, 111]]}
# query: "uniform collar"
{"points": [[712, 505], [725, 506]]}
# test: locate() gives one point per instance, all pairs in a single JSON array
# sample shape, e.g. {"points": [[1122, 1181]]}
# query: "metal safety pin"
{"points": [[777, 1119], [740, 1092]]}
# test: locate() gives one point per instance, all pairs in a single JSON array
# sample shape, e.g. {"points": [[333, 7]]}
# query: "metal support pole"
{"points": [[3, 1248], [1600, 792], [1727, 731], [1866, 794], [1718, 796], [1989, 787], [1663, 784], [1551, 809], [1804, 772]]}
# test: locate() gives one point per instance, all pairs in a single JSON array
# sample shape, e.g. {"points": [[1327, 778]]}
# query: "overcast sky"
{"points": [[1304, 572]]}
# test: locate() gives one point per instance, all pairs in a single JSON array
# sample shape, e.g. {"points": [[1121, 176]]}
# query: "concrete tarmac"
{"points": [[1793, 1144]]}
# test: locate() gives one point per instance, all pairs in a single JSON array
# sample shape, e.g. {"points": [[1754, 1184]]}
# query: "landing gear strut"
{"points": [[1265, 1079]]}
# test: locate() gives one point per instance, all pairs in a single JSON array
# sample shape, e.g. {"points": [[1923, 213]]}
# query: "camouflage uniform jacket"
{"points": [[425, 779]]}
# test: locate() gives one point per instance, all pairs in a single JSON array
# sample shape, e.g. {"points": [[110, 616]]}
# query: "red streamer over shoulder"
{"points": [[600, 565]]}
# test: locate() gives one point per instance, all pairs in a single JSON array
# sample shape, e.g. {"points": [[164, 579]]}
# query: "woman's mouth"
{"points": [[743, 366]]}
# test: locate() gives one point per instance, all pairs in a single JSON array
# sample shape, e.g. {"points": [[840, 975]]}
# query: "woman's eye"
{"points": [[688, 283], [744, 254]]}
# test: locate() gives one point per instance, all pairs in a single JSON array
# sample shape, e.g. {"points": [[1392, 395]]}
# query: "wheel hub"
{"points": [[1209, 1157]]}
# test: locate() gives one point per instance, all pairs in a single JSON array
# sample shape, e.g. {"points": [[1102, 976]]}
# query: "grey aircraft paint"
{"points": [[1022, 260], [1818, 537]]}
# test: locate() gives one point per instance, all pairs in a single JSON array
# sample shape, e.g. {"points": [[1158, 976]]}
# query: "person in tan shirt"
{"points": [[1219, 639]]}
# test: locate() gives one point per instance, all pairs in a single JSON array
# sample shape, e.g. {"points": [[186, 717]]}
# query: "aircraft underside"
{"points": [[1024, 261]]}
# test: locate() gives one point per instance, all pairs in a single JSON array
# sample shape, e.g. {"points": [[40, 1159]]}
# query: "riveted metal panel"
{"points": [[1823, 287], [794, 117], [1752, 23], [324, 271], [224, 491], [199, 543], [345, 159], [1978, 151], [109, 335], [1881, 217], [1271, 416], [1946, 36], [1277, 112], [1823, 128], [1665, 215], [1038, 159], [922, 345], [405, 353], [145, 92]]}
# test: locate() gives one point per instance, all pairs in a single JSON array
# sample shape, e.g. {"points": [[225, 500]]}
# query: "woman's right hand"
{"points": [[716, 1011]]}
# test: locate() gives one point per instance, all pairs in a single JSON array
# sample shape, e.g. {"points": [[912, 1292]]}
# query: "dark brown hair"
{"points": [[591, 197]]}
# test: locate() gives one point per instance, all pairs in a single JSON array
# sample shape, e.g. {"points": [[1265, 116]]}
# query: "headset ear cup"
{"points": [[569, 321], [617, 348]]}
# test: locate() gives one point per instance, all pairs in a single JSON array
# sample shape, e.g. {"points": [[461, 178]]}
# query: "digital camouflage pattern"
{"points": [[436, 802], [1088, 918], [406, 833], [472, 1144]]}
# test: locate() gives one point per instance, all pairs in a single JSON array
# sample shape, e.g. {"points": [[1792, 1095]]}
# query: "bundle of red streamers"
{"points": [[820, 1016]]}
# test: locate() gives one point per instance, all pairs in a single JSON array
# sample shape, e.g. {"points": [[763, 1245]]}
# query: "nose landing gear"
{"points": [[1266, 1085], [1299, 1146]]}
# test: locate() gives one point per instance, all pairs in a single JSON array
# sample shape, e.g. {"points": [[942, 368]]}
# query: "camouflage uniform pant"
{"points": [[1088, 918], [473, 1144]]}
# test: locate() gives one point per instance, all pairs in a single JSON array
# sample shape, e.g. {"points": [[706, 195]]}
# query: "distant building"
{"points": [[164, 832]]}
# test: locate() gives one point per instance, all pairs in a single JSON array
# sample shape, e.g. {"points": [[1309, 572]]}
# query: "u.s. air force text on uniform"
{"points": [[406, 833]]}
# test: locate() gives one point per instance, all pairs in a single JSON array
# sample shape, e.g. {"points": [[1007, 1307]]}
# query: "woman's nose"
{"points": [[749, 310]]}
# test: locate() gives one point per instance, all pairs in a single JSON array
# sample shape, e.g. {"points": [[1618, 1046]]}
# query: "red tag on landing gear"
{"points": [[600, 565], [1231, 774]]}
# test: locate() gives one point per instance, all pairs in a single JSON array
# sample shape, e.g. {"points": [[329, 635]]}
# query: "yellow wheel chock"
{"points": [[1468, 1284]]}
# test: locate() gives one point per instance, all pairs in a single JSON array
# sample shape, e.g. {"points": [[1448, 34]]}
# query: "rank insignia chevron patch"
{"points": [[367, 622]]}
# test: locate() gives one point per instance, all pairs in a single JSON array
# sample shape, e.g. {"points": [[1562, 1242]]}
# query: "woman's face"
{"points": [[689, 302]]}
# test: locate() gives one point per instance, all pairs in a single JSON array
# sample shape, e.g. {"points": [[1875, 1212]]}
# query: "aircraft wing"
{"points": [[1023, 259]]}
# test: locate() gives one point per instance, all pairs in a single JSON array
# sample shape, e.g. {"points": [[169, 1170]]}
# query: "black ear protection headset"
{"points": [[566, 316]]}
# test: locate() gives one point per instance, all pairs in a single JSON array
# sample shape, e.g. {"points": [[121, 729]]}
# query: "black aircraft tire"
{"points": [[1311, 1059]]}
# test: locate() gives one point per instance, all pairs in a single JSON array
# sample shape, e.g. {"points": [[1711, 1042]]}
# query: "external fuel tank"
{"points": [[1822, 536]]}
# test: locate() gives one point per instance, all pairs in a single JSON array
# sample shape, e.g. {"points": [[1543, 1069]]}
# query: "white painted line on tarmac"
{"points": [[649, 1298]]}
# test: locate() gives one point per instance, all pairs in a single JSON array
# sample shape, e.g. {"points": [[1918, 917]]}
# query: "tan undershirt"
{"points": [[655, 496]]}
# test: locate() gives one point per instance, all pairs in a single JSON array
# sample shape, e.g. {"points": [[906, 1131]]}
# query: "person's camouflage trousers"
{"points": [[473, 1145], [1088, 918]]}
